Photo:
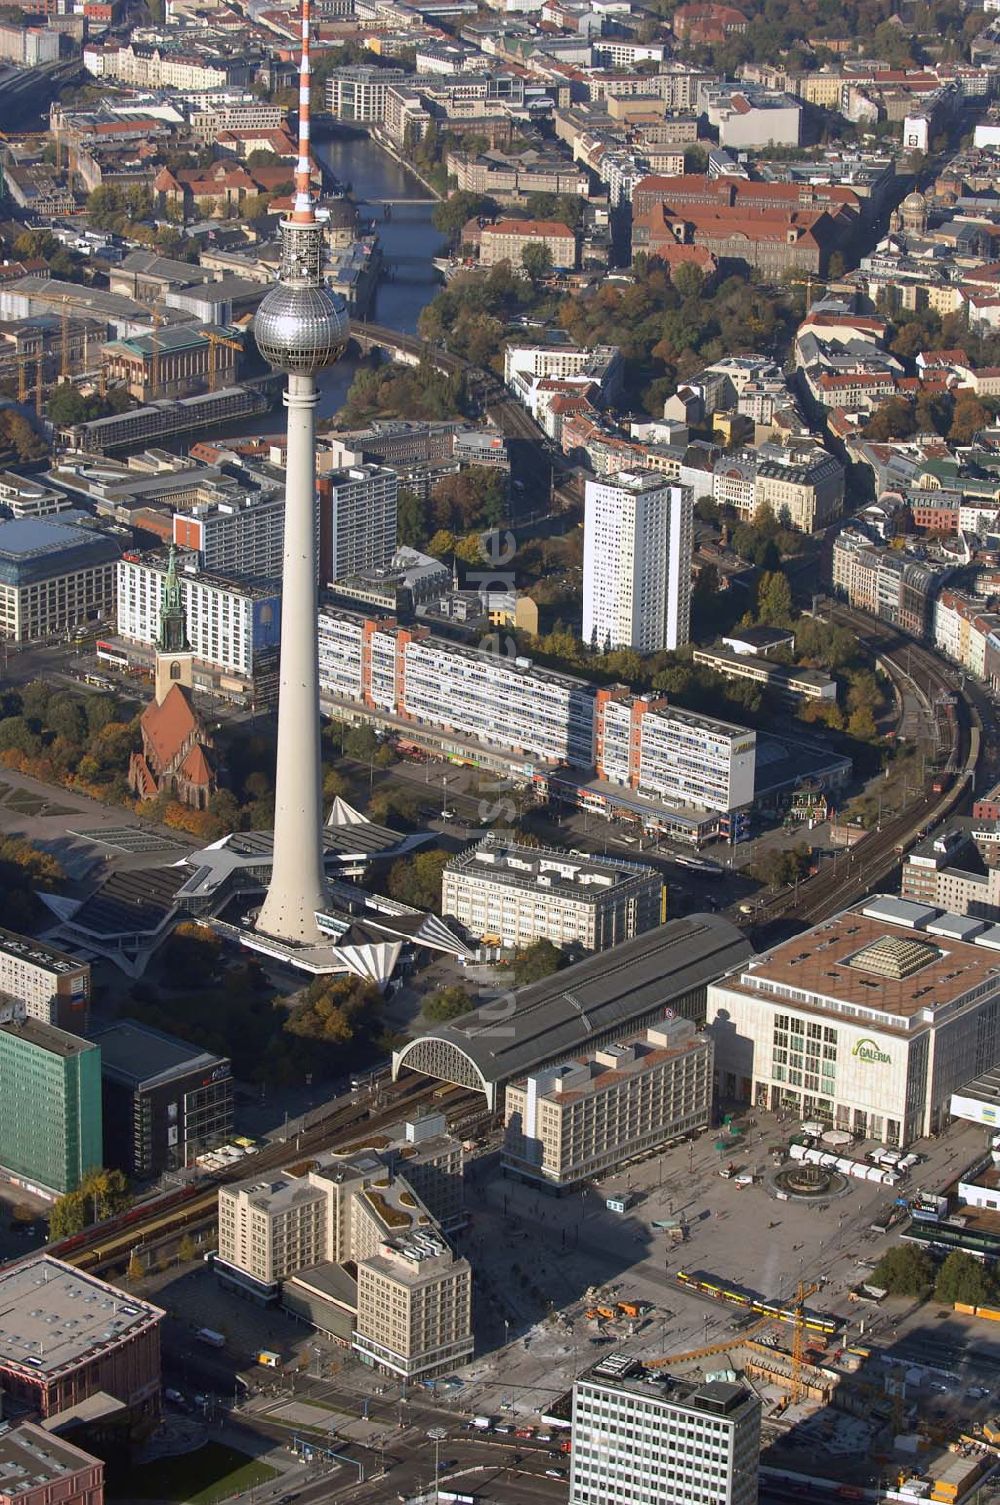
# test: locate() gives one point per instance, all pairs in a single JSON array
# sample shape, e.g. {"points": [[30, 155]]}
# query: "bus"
{"points": [[108, 653]]}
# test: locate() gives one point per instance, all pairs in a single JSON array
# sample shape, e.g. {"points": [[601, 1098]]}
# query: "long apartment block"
{"points": [[536, 717]]}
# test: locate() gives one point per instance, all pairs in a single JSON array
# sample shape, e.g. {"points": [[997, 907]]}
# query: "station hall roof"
{"points": [[609, 994]]}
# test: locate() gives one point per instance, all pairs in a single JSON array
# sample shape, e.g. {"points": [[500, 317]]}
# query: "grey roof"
{"points": [[35, 549], [46, 1037], [54, 1318], [605, 995], [139, 1055], [900, 911]]}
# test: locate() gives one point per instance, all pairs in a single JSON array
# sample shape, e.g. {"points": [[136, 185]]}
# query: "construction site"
{"points": [[703, 1278]]}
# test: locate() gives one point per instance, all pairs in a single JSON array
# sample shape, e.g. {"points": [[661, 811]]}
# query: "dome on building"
{"points": [[915, 202]]}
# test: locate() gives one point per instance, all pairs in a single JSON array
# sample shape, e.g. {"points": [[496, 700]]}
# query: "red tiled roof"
{"points": [[195, 767], [530, 228], [167, 726]]}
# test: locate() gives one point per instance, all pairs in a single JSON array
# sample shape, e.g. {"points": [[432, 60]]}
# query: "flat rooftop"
{"points": [[135, 1053], [546, 870], [31, 1457], [54, 1318], [37, 954], [46, 1037], [895, 974]]}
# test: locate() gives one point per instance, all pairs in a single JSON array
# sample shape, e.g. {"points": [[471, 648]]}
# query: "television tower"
{"points": [[300, 327]]}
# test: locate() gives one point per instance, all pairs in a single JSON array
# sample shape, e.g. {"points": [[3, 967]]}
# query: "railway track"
{"points": [[111, 1244], [864, 866]]}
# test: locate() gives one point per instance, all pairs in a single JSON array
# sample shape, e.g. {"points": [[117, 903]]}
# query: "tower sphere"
{"points": [[301, 329]]}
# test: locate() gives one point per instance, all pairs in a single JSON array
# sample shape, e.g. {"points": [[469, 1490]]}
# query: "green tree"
{"points": [[774, 599], [411, 519], [452, 213], [540, 959], [417, 880], [445, 1004], [963, 1278], [688, 279], [192, 955], [395, 803], [68, 1215], [67, 405], [905, 1271], [537, 261]]}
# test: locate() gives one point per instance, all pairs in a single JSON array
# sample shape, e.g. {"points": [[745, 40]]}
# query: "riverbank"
{"points": [[382, 141]]}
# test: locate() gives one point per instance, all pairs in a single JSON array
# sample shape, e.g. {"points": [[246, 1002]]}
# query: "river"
{"points": [[409, 242]]}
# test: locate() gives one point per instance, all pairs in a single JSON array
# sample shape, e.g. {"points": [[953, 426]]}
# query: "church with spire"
{"points": [[176, 756]]}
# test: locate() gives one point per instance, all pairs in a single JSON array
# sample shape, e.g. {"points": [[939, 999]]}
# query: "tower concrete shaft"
{"points": [[300, 327], [296, 888]]}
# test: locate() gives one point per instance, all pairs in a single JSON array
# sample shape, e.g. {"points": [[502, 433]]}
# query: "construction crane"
{"points": [[799, 1337], [22, 379], [713, 1348], [215, 340], [154, 365], [39, 401]]}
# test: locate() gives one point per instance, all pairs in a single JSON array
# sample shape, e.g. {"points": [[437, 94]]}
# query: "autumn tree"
{"points": [[969, 416], [892, 419], [337, 1011]]}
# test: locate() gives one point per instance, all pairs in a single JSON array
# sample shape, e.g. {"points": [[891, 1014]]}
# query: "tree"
{"points": [[445, 1004], [394, 804], [962, 1278], [892, 419], [540, 959], [337, 1010], [905, 1271], [191, 956], [452, 213], [417, 880], [774, 599], [136, 1268], [969, 416], [688, 279], [186, 1250], [411, 519], [536, 259]]}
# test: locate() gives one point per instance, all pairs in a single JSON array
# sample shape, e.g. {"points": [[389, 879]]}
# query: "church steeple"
{"points": [[174, 658], [172, 637]]}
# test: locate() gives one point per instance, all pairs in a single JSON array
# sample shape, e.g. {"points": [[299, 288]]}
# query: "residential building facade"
{"points": [[238, 537], [638, 539], [358, 513]]}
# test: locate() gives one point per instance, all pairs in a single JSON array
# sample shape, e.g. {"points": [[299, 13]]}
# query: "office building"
{"points": [[52, 986], [637, 544], [50, 1107], [233, 626], [54, 576], [508, 239], [358, 93], [869, 1021], [238, 537], [165, 1102], [69, 1338], [509, 895], [589, 1116], [348, 1225], [804, 488], [637, 1441], [414, 1306], [679, 757], [358, 514], [781, 680], [39, 1468]]}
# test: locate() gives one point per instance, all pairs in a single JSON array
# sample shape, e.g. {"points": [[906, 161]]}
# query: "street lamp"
{"points": [[437, 1434]]}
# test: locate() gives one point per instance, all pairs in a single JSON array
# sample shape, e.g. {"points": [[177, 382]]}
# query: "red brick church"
{"points": [[176, 749]]}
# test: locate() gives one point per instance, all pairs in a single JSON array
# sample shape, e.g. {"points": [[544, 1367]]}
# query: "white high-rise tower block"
{"points": [[637, 539], [300, 327]]}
